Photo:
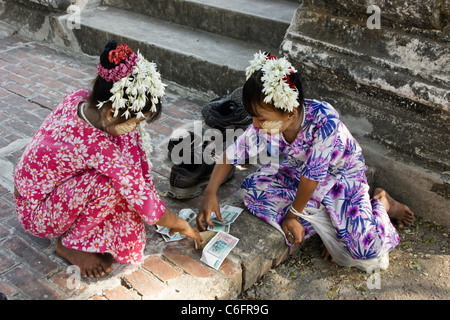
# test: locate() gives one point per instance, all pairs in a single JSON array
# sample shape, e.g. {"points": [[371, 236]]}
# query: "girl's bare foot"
{"points": [[398, 212], [325, 254], [93, 265]]}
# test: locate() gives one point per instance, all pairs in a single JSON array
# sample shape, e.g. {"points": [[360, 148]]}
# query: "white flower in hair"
{"points": [[256, 64], [146, 143], [143, 80], [276, 85]]}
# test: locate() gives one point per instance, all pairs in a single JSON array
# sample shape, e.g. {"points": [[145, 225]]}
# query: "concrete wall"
{"points": [[390, 84]]}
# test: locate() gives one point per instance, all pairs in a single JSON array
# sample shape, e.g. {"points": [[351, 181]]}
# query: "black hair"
{"points": [[101, 89], [253, 95]]}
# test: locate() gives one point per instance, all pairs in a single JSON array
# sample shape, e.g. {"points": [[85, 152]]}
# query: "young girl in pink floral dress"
{"points": [[85, 177]]}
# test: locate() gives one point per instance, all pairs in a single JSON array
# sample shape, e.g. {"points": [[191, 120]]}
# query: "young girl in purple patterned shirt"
{"points": [[320, 185]]}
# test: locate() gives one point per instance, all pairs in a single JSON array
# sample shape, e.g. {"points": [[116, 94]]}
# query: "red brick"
{"points": [[160, 268], [42, 112], [174, 111], [21, 127], [49, 82], [187, 263], [48, 91], [5, 262], [9, 138], [3, 231], [31, 119], [42, 62], [160, 128], [8, 291], [9, 58], [30, 285], [4, 93], [71, 72], [230, 269], [29, 255], [20, 111], [6, 210], [119, 293], [172, 123], [20, 71], [37, 69], [143, 284], [45, 101], [96, 297], [3, 115], [19, 80], [73, 82], [21, 54], [24, 92], [17, 104]]}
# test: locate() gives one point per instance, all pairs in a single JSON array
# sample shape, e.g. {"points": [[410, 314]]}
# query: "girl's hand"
{"points": [[209, 204], [176, 224], [293, 226], [188, 231]]}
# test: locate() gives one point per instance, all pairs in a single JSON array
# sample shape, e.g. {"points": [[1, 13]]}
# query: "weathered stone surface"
{"points": [[51, 5], [432, 14], [397, 81], [390, 85], [250, 20]]}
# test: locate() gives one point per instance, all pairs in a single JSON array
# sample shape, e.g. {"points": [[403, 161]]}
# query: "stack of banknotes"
{"points": [[218, 248], [229, 215], [217, 242]]}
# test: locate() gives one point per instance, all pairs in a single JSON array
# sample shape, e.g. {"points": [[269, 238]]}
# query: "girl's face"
{"points": [[272, 121]]}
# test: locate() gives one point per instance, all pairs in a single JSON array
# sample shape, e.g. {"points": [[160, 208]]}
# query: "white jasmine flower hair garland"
{"points": [[277, 87], [143, 79], [146, 143], [135, 77]]}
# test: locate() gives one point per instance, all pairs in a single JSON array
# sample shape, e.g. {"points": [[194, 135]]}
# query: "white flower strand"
{"points": [[277, 91], [256, 64], [146, 142], [144, 79]]}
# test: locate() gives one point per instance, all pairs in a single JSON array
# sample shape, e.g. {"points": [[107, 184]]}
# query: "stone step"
{"points": [[391, 49], [193, 58], [396, 82], [260, 21]]}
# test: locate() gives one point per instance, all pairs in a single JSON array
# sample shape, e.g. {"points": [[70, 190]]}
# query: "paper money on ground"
{"points": [[185, 214], [206, 237], [218, 248], [229, 215], [219, 227]]}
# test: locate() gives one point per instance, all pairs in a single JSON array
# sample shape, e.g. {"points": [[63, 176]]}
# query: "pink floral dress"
{"points": [[92, 189]]}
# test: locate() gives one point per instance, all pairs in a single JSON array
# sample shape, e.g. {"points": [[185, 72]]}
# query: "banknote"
{"points": [[206, 237], [174, 237], [229, 215], [185, 214], [219, 227], [218, 248]]}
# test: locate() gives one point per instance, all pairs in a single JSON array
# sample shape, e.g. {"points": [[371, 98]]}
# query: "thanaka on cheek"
{"points": [[272, 125]]}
